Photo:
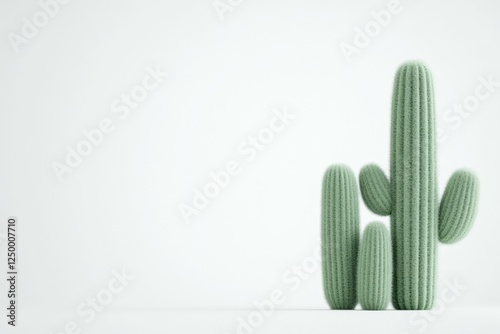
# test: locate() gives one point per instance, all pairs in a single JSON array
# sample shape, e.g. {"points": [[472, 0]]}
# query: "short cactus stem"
{"points": [[375, 268], [340, 237]]}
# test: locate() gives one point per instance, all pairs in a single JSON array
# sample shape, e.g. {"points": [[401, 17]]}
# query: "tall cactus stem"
{"points": [[413, 188]]}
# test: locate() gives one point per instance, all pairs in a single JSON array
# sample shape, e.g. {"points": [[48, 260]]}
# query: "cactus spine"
{"points": [[340, 237], [374, 268]]}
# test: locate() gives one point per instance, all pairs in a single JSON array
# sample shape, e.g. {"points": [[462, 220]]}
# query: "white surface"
{"points": [[457, 321]]}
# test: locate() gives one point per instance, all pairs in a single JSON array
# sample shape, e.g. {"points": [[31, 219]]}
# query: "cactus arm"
{"points": [[374, 268], [375, 189], [340, 237], [458, 207]]}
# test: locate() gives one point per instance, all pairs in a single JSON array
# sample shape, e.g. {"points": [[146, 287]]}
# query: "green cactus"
{"points": [[375, 190], [340, 237], [374, 268], [413, 192], [458, 207]]}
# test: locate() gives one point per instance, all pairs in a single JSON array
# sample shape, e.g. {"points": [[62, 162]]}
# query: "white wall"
{"points": [[120, 207]]}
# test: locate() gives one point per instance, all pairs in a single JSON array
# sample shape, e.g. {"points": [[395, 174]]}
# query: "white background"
{"points": [[120, 207]]}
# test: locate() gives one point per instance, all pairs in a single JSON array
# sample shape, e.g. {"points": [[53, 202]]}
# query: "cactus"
{"points": [[375, 190], [458, 207], [340, 237], [374, 268], [413, 207]]}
